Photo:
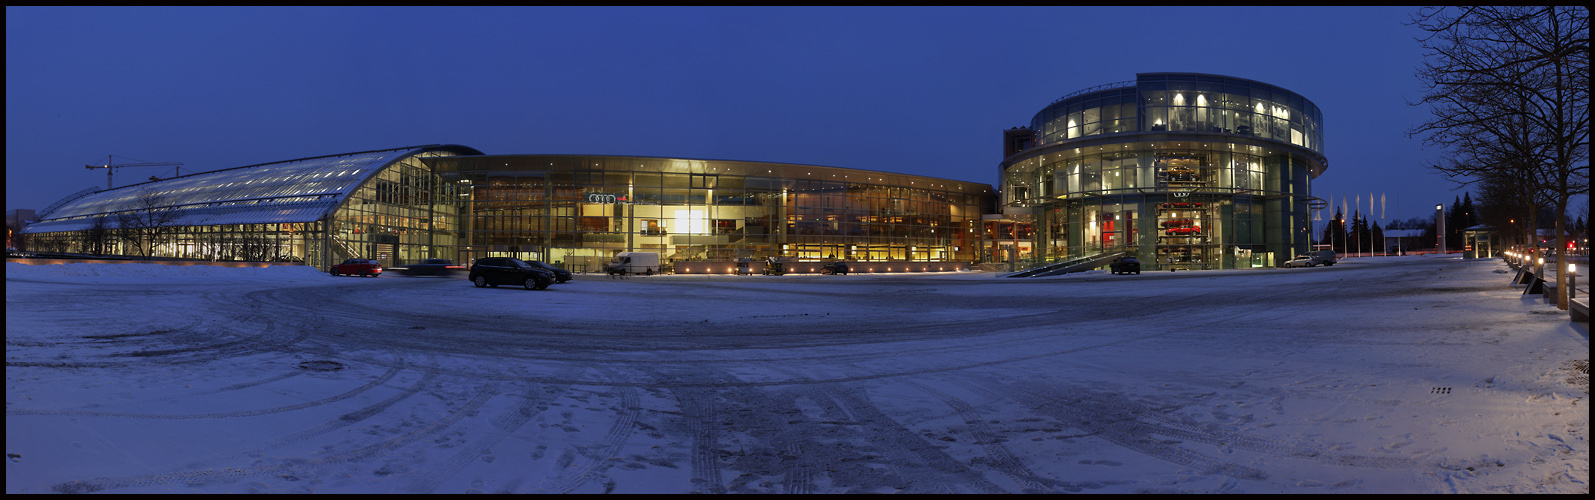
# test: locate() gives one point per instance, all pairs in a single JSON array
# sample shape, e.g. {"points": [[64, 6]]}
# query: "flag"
{"points": [[1381, 206]]}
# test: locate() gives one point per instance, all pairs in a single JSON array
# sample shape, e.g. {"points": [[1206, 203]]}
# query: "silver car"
{"points": [[1300, 261]]}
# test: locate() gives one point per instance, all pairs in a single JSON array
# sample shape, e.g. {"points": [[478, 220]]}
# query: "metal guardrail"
{"points": [[68, 199]]}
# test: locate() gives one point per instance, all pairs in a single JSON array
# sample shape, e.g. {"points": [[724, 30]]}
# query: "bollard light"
{"points": [[1571, 269]]}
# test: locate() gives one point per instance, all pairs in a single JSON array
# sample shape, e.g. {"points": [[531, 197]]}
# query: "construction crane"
{"points": [[110, 166]]}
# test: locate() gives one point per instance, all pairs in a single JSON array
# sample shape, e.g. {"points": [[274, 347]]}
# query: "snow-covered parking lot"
{"points": [[1405, 375]]}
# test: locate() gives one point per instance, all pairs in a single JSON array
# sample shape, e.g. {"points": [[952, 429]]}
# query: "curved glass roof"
{"points": [[302, 190]]}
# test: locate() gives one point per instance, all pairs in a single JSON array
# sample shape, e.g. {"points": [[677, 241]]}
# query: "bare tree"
{"points": [[50, 243], [145, 221], [1508, 91], [97, 238], [255, 247]]}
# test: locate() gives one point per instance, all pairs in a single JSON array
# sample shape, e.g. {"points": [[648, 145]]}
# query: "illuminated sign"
{"points": [[605, 198]]}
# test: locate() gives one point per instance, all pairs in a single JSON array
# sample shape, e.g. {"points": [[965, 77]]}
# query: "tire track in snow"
{"points": [[698, 411], [998, 455], [768, 444], [908, 453], [354, 417], [534, 400], [1097, 415], [601, 454], [386, 376], [247, 344], [286, 468], [346, 420], [1116, 419]]}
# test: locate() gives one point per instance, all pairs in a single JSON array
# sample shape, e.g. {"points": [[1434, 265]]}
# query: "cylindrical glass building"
{"points": [[1182, 170]]}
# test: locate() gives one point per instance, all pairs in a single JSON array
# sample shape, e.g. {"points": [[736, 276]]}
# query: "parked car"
{"points": [[495, 271], [560, 275], [834, 268], [432, 267], [357, 267], [1300, 261], [1178, 223], [1186, 230], [1125, 265], [1325, 257], [1181, 174]]}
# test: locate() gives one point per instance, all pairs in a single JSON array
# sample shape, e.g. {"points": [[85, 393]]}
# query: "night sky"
{"points": [[924, 91]]}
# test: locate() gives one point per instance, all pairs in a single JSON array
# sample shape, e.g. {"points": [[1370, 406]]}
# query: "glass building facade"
{"points": [[385, 205], [581, 210], [403, 205], [1182, 170]]}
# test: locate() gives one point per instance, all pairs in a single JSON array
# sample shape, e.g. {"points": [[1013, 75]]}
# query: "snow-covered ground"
{"points": [[1408, 375]]}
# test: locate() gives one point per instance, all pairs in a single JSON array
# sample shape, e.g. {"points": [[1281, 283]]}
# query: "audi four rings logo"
{"points": [[1181, 195], [604, 198]]}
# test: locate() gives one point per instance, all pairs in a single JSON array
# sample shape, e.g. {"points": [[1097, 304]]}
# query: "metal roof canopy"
{"points": [[302, 190]]}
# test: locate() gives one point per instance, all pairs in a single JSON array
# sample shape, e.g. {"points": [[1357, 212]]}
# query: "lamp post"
{"points": [[1572, 283], [1439, 227]]}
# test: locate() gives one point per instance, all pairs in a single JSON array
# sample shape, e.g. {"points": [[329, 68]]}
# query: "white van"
{"points": [[633, 263]]}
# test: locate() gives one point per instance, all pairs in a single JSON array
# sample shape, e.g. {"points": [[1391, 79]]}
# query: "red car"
{"points": [[1177, 223], [1185, 230], [358, 267]]}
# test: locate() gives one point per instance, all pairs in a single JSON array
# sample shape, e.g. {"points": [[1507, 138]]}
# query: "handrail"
{"points": [[1048, 269], [1087, 90]]}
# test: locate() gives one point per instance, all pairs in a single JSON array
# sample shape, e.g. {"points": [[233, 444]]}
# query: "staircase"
{"points": [[695, 252], [1074, 265], [348, 252]]}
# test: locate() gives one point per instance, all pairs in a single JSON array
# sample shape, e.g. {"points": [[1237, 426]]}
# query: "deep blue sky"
{"points": [[914, 90]]}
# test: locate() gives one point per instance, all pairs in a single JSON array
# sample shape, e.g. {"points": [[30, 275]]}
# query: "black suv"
{"points": [[560, 275], [1125, 265], [497, 271], [834, 268], [431, 267]]}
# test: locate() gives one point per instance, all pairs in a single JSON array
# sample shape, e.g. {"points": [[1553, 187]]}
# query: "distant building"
{"points": [[16, 220], [19, 217], [1402, 239], [1481, 241]]}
